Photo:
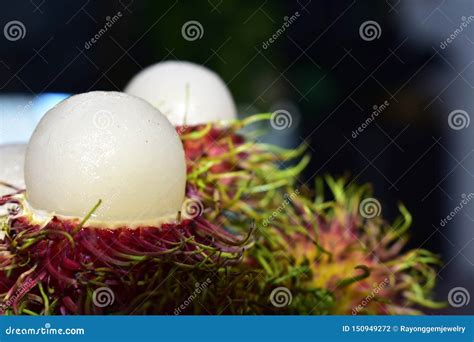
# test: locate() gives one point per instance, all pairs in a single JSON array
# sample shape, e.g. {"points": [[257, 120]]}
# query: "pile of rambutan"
{"points": [[125, 214], [326, 249]]}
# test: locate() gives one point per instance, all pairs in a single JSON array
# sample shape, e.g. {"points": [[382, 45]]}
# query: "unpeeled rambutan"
{"points": [[329, 256]]}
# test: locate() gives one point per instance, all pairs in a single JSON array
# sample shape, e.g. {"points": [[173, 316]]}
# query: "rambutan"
{"points": [[125, 214], [142, 241], [326, 252]]}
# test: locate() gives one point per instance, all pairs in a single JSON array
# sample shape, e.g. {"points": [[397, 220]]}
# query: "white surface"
{"points": [[109, 146], [12, 160], [187, 93]]}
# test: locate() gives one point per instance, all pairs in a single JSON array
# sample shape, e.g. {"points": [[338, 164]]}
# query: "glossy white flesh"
{"points": [[109, 146], [187, 93]]}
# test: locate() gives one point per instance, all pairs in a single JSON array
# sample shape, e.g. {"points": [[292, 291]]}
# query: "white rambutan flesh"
{"points": [[187, 93], [106, 146]]}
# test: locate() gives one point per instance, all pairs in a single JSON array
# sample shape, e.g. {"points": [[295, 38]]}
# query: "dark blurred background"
{"points": [[322, 68]]}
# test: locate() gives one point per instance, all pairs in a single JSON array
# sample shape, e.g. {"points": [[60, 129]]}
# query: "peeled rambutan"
{"points": [[105, 209], [125, 214], [186, 93]]}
